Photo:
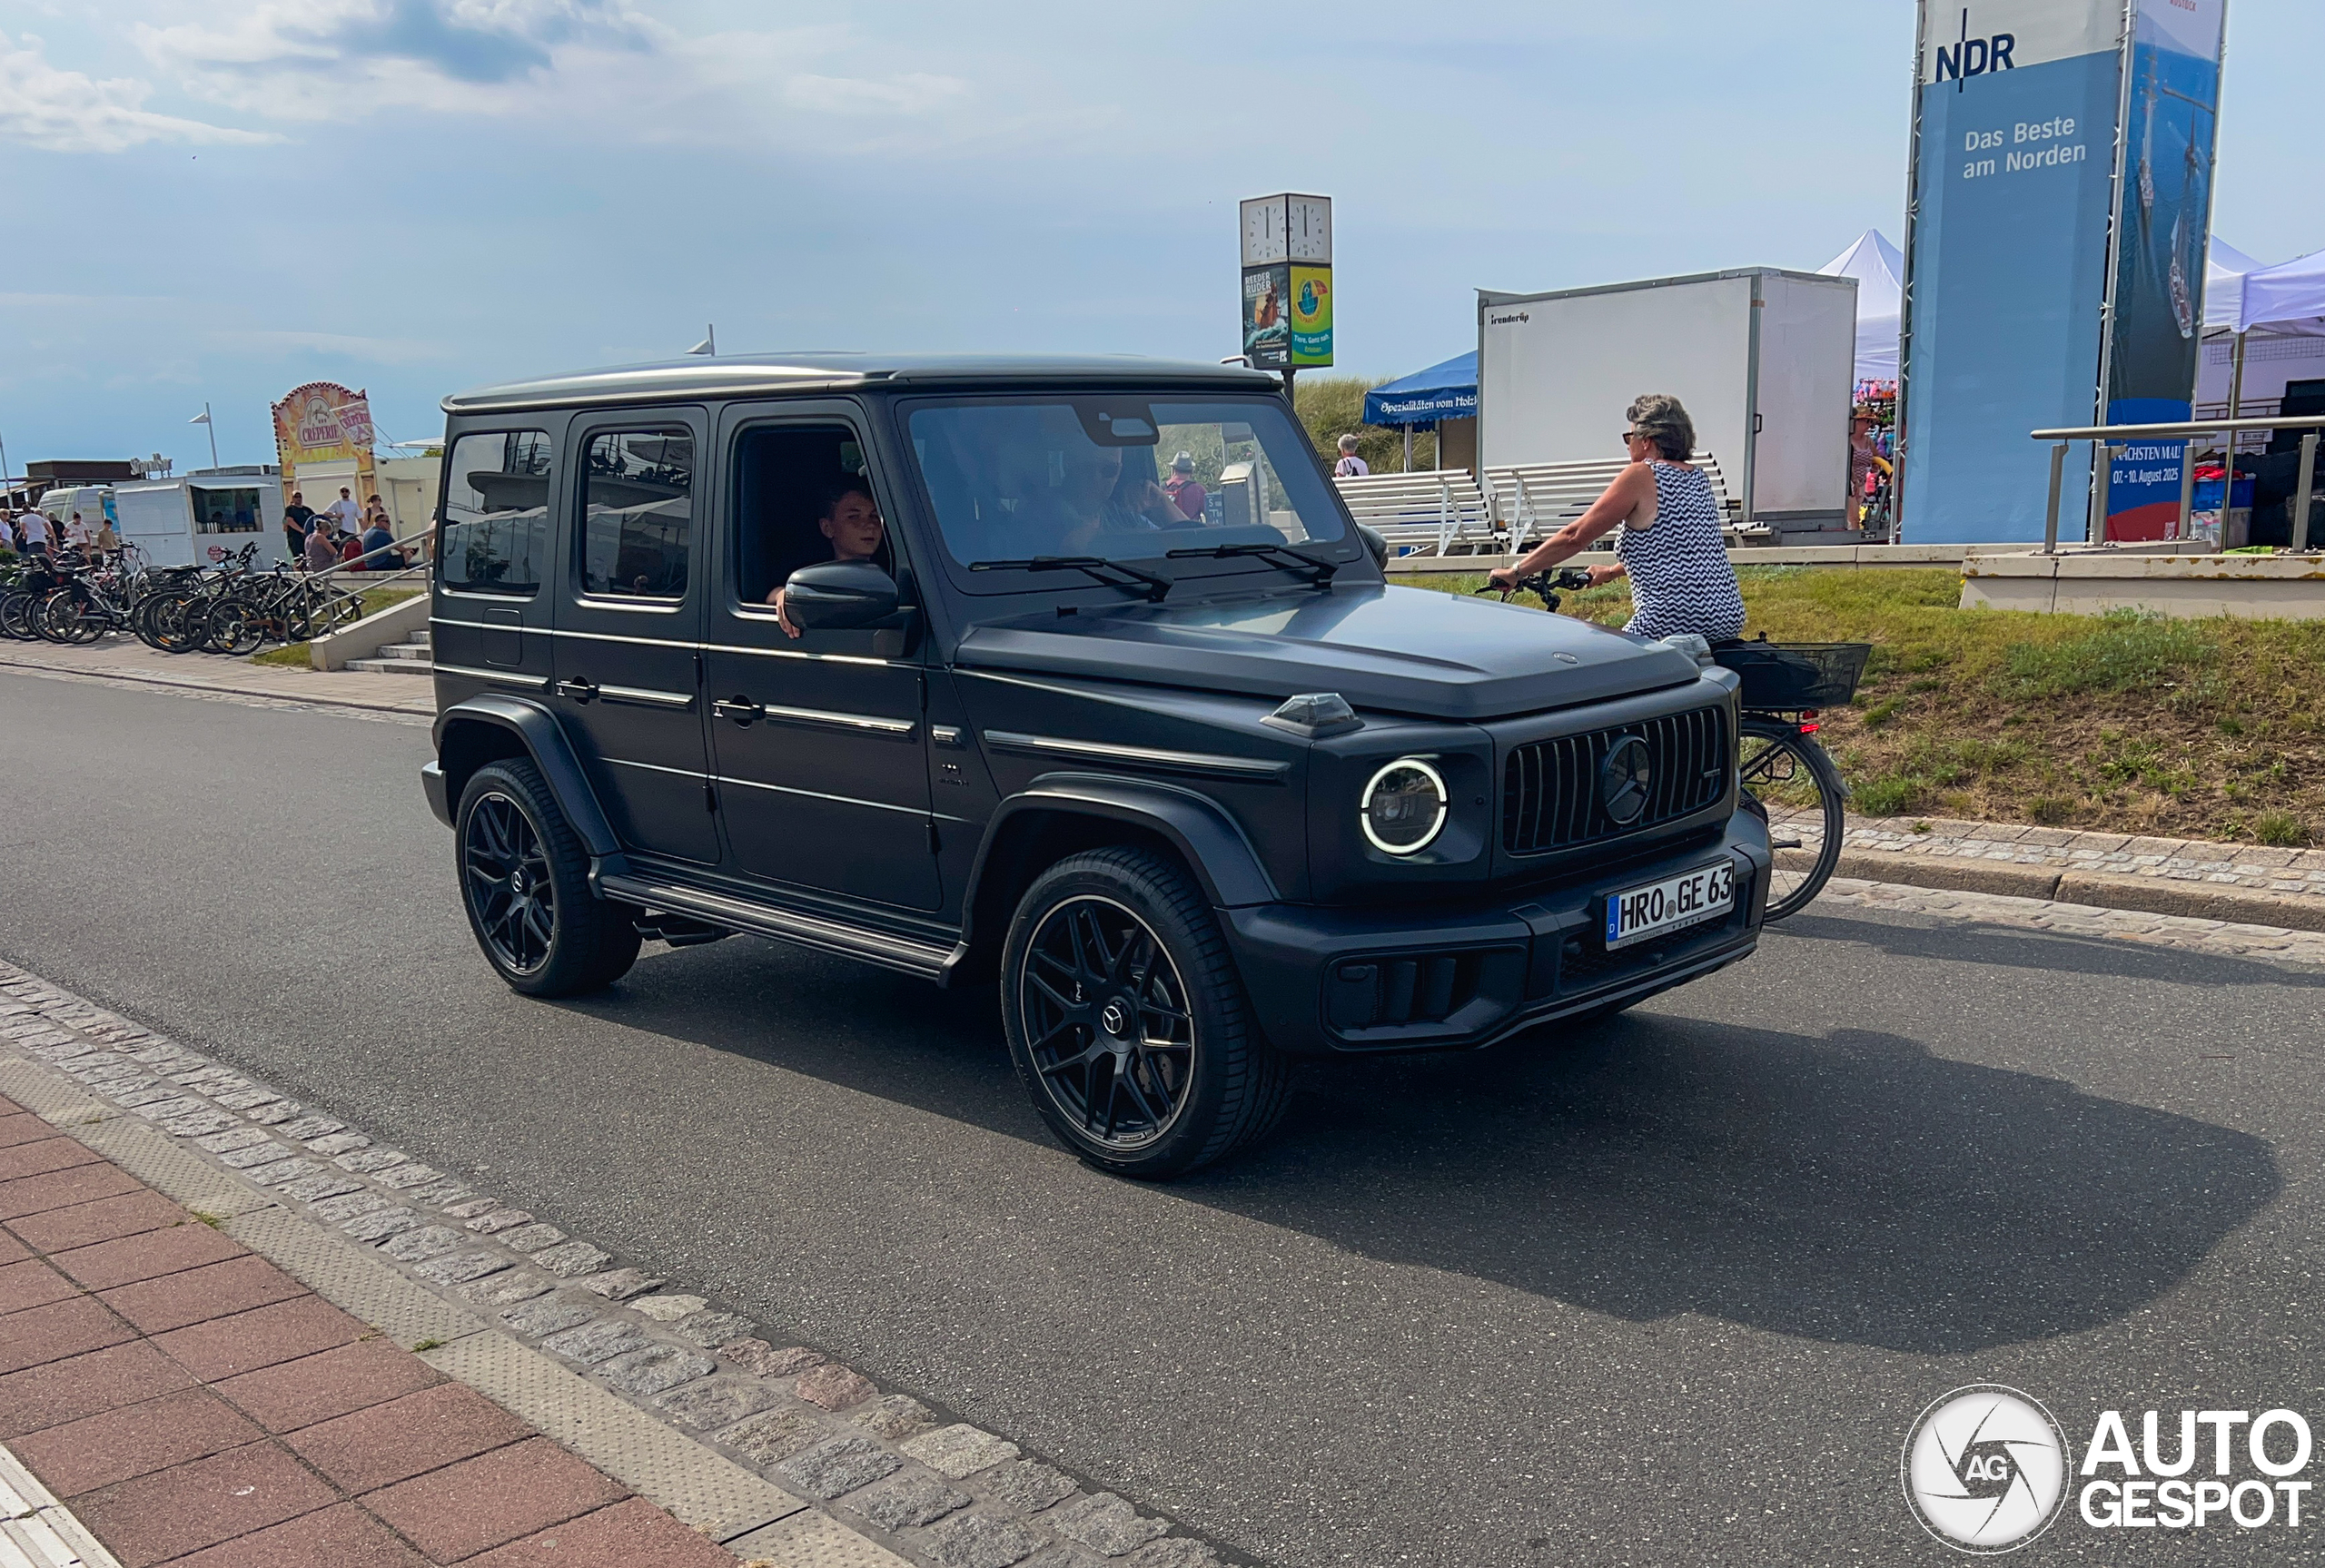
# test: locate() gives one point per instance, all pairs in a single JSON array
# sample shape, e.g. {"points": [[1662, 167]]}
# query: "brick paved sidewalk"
{"points": [[193, 1405]]}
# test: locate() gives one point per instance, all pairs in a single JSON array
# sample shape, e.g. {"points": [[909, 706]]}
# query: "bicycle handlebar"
{"points": [[1544, 586]]}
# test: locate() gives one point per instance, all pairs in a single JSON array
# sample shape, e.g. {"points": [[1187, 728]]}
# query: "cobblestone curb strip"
{"points": [[783, 1454], [2226, 882]]}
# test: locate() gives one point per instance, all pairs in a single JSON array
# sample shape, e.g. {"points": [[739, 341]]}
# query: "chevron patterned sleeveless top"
{"points": [[1680, 577]]}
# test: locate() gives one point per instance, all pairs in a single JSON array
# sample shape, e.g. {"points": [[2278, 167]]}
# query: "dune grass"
{"points": [[2191, 728]]}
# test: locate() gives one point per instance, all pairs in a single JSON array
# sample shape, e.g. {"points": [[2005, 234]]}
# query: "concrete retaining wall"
{"points": [[1744, 556], [367, 636], [2089, 581]]}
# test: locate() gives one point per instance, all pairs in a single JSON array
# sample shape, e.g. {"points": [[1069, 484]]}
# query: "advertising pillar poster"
{"points": [[2164, 219], [2006, 263], [1311, 315], [1267, 316]]}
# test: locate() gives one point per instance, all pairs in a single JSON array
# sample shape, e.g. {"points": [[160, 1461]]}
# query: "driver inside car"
{"points": [[1095, 501], [850, 520]]}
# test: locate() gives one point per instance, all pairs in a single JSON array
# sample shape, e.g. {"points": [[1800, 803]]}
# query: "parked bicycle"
{"points": [[1778, 760]]}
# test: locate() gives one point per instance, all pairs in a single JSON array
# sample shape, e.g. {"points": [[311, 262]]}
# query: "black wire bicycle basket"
{"points": [[1790, 676]]}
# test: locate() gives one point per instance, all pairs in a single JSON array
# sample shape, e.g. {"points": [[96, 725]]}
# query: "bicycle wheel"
{"points": [[12, 615], [229, 624], [58, 617], [1791, 776], [178, 626]]}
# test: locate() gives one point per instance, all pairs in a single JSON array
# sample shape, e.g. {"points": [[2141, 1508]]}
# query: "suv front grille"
{"points": [[1550, 794]]}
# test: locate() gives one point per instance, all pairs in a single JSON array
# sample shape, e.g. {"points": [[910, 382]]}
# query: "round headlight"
{"points": [[1404, 806]]}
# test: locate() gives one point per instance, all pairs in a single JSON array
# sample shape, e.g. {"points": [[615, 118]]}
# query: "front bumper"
{"points": [[1336, 980]]}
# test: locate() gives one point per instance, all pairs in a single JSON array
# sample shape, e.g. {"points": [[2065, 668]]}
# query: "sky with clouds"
{"points": [[218, 199]]}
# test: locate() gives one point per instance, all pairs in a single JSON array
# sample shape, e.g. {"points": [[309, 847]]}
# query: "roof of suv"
{"points": [[735, 375]]}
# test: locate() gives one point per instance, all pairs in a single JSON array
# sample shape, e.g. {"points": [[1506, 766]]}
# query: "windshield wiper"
{"points": [[1320, 572], [1154, 585]]}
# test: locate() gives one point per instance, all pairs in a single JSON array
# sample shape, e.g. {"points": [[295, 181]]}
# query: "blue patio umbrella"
{"points": [[1446, 391]]}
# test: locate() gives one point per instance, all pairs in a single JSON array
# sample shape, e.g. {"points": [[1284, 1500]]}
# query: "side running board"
{"points": [[926, 960]]}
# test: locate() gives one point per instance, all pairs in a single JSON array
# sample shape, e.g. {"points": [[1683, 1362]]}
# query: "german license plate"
{"points": [[1640, 912]]}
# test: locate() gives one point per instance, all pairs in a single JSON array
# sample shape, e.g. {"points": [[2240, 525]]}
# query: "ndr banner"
{"points": [[2015, 319]]}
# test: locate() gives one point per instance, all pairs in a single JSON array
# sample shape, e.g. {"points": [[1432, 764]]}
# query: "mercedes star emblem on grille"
{"points": [[1624, 779]]}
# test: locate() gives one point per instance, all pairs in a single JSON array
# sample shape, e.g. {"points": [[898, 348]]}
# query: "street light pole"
{"points": [[213, 429]]}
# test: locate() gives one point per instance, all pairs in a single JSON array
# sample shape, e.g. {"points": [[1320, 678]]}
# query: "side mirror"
{"points": [[1375, 543], [833, 596]]}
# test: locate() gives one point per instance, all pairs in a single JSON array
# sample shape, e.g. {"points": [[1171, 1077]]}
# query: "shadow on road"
{"points": [[2018, 948], [1854, 1188]]}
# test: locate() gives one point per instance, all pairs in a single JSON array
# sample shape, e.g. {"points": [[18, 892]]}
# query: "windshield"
{"points": [[1118, 477]]}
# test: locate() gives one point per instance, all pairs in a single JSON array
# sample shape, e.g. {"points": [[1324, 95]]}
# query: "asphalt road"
{"points": [[1671, 1294]]}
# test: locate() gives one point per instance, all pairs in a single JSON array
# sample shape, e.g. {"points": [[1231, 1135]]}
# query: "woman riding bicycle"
{"points": [[1666, 538]]}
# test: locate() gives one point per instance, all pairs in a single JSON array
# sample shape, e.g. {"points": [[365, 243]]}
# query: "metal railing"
{"points": [[2111, 439]]}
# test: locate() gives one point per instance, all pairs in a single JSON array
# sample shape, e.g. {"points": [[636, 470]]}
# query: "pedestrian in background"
{"points": [[36, 530], [1186, 492], [321, 554], [298, 519], [380, 537], [345, 514], [1350, 466]]}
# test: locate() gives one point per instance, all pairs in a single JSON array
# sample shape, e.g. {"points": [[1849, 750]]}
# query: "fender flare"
{"points": [[537, 731], [1208, 839]]}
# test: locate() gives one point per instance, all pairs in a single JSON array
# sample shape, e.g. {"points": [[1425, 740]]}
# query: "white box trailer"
{"points": [[199, 519], [1763, 358]]}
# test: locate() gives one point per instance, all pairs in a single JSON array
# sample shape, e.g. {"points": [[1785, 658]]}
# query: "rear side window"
{"points": [[637, 513], [495, 530]]}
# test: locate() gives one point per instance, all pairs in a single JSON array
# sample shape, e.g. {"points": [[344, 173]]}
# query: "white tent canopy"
{"points": [[2281, 344], [1878, 269], [2225, 267], [2289, 291]]}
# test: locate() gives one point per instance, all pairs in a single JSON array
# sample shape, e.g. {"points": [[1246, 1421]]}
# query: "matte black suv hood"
{"points": [[1391, 649]]}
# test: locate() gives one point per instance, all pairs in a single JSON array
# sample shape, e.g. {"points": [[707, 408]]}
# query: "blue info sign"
{"points": [[2006, 267]]}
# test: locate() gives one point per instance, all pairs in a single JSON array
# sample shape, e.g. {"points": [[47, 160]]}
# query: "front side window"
{"points": [[637, 513], [802, 496], [1124, 477], [494, 531]]}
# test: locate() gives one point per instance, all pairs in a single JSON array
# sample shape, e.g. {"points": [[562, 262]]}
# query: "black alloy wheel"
{"points": [[506, 877], [525, 884], [1107, 1021], [1127, 1019]]}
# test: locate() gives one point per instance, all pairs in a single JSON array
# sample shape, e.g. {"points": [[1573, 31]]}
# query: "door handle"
{"points": [[579, 690], [742, 710]]}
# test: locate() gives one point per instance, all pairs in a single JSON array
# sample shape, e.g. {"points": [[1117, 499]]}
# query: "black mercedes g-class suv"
{"points": [[1071, 673]]}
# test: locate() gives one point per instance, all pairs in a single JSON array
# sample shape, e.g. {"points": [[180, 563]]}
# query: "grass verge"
{"points": [[2123, 722], [302, 655]]}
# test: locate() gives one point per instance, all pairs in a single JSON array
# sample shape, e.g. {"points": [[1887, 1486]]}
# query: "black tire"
{"points": [[1793, 778], [512, 844], [56, 619], [1150, 1064]]}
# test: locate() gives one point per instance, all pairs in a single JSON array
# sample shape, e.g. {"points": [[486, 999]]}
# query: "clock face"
{"points": [[1309, 228], [1264, 232]]}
